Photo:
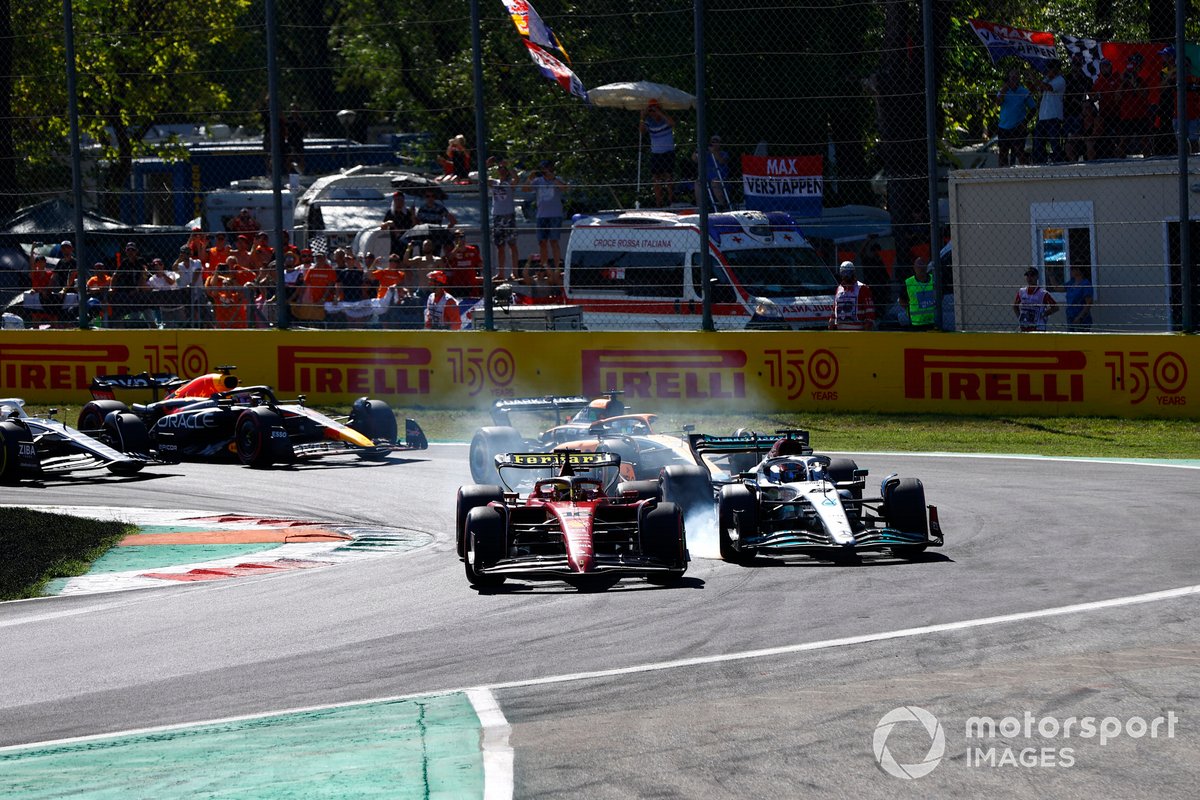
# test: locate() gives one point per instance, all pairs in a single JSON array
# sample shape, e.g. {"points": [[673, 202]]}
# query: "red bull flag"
{"points": [[544, 47], [1036, 47]]}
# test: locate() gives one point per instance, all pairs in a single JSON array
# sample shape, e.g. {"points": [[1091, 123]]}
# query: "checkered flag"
{"points": [[1089, 49]]}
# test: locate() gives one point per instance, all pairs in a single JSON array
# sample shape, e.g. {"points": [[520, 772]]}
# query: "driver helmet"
{"points": [[791, 472], [559, 490]]}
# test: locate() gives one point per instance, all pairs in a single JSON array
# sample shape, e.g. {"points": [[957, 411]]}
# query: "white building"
{"points": [[1118, 219]]}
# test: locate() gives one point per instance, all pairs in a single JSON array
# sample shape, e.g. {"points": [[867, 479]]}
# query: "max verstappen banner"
{"points": [[784, 183], [1036, 47]]}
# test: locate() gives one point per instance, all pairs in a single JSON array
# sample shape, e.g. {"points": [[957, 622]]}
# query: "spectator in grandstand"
{"points": [[1106, 90], [66, 271], [163, 284], [549, 188], [463, 266], [1080, 294], [433, 211], [853, 306], [457, 161], [1047, 133], [398, 219], [441, 308], [227, 295], [1033, 304], [1133, 109], [419, 263], [1078, 94], [660, 128], [388, 276], [504, 215], [244, 222], [46, 290], [261, 253], [216, 254], [874, 271], [243, 251], [318, 284], [127, 295], [190, 269], [1015, 103], [1091, 133]]}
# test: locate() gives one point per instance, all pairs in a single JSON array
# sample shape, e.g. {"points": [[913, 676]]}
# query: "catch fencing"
{"points": [[664, 166]]}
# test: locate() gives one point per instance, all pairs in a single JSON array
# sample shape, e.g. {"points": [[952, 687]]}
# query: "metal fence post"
{"points": [[281, 303], [702, 170], [485, 229], [1185, 221], [76, 166], [931, 138]]}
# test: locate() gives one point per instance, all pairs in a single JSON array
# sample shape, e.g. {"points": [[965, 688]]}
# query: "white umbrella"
{"points": [[633, 96]]}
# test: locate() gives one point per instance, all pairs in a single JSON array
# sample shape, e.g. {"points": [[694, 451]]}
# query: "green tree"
{"points": [[139, 62]]}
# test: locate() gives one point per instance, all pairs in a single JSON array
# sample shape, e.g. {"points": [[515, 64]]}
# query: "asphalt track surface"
{"points": [[1021, 536]]}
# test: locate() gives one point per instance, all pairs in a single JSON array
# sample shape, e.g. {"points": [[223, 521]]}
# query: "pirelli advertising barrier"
{"points": [[1027, 374]]}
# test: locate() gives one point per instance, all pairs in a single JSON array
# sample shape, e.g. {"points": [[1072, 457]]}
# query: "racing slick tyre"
{"points": [[904, 509], [12, 435], [663, 539], [646, 490], [841, 470], [471, 497], [128, 435], [484, 530], [486, 444], [687, 486], [373, 419], [252, 436], [92, 416], [737, 513]]}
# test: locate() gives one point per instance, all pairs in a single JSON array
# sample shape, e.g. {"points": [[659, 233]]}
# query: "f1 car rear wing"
{"points": [[501, 409], [102, 386], [566, 461], [759, 444]]}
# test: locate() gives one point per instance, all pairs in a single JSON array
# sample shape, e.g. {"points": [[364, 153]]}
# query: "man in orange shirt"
{"points": [[389, 276], [227, 295], [318, 285], [216, 255]]}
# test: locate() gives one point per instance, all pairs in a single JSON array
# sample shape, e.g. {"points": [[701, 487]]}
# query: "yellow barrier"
{"points": [[1030, 374]]}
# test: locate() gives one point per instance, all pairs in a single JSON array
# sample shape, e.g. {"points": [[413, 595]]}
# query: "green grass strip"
{"points": [[36, 547]]}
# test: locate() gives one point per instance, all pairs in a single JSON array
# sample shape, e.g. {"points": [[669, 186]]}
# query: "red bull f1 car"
{"points": [[214, 417], [599, 425], [555, 517], [34, 447]]}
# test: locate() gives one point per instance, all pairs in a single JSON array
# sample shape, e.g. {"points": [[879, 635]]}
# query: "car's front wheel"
{"points": [[484, 546], [737, 518], [252, 436]]}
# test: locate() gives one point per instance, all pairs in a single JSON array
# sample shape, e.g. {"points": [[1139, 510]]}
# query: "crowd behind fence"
{"points": [[1054, 201]]}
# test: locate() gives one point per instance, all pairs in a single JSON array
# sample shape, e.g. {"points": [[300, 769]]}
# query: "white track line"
{"points": [[497, 752], [1079, 608]]}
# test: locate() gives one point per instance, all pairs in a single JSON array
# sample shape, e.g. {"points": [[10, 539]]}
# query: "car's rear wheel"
{"points": [[737, 513], [485, 546], [486, 444], [904, 509], [469, 498], [687, 486], [663, 539], [92, 416], [252, 436]]}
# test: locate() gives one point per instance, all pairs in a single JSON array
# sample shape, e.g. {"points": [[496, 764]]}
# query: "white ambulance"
{"points": [[641, 269]]}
